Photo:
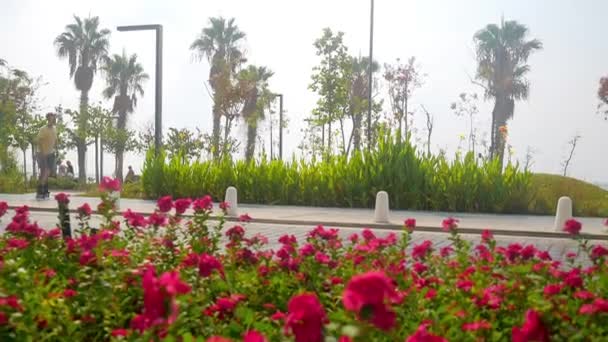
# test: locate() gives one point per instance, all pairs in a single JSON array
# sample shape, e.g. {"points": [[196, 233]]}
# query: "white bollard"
{"points": [[382, 208], [563, 213], [232, 200]]}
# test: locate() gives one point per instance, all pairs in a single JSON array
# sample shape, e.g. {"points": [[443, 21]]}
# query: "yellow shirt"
{"points": [[47, 139]]}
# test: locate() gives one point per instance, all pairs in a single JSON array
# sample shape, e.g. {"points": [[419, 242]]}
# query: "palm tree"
{"points": [[124, 78], [219, 43], [84, 44], [358, 96], [257, 100], [502, 54]]}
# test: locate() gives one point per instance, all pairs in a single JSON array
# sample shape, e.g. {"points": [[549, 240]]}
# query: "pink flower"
{"points": [[181, 205], [307, 250], [572, 227], [449, 224], [62, 198], [245, 218], [109, 185], [218, 339], [368, 295], [207, 264], [474, 326], [224, 206], [172, 284], [85, 210], [487, 236], [235, 233], [368, 235], [17, 243], [305, 318], [157, 219], [445, 251], [422, 335], [67, 293], [421, 250], [165, 204], [410, 224], [254, 336], [531, 330], [203, 204], [134, 219], [3, 208], [87, 257]]}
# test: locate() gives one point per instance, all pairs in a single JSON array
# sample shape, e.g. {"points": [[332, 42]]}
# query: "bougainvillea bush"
{"points": [[174, 277]]}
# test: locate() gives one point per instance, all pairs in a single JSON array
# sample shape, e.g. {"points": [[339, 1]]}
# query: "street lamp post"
{"points": [[371, 80], [158, 103], [280, 126]]}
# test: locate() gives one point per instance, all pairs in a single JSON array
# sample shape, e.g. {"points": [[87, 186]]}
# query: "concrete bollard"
{"points": [[382, 208], [563, 213], [232, 200]]}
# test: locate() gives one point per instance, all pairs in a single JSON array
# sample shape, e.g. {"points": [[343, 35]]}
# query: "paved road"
{"points": [[344, 217], [557, 248]]}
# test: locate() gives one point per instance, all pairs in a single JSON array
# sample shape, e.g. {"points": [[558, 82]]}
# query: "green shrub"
{"points": [[413, 181], [63, 183]]}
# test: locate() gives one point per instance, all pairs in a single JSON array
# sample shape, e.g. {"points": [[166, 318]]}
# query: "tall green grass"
{"points": [[412, 179]]}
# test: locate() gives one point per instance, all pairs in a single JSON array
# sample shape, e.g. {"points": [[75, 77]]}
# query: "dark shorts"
{"points": [[46, 161]]}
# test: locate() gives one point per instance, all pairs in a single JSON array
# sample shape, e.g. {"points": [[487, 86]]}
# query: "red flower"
{"points": [[172, 284], [245, 218], [421, 250], [203, 204], [572, 227], [87, 258], [305, 318], [109, 185], [254, 336], [134, 219], [465, 285], [552, 289], [445, 251], [218, 339], [85, 210], [224, 205], [368, 296], [368, 235], [573, 278], [165, 204], [120, 333], [278, 316], [345, 339], [449, 224], [422, 335], [474, 326], [598, 251], [532, 329], [410, 224], [207, 264], [235, 233], [3, 208], [62, 198], [17, 243], [67, 293], [3, 318], [487, 236], [157, 219], [181, 205]]}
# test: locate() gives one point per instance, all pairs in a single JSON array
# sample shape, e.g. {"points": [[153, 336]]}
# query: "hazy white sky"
{"points": [[280, 34]]}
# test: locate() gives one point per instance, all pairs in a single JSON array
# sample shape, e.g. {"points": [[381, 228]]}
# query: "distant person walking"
{"points": [[70, 169], [62, 171], [46, 141], [130, 178]]}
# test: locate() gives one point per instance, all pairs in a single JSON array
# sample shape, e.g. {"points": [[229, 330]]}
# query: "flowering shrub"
{"points": [[171, 275]]}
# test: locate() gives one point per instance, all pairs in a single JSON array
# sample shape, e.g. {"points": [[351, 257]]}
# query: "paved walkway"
{"points": [[518, 225]]}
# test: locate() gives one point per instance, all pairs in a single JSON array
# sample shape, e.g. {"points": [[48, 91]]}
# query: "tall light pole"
{"points": [[371, 79], [280, 126], [158, 103]]}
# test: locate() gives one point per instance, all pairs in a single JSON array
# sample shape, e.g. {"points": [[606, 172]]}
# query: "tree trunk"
{"points": [[82, 143], [329, 137], [215, 137], [34, 170], [343, 137], [97, 158], [502, 109], [121, 124], [357, 132], [25, 166], [251, 136]]}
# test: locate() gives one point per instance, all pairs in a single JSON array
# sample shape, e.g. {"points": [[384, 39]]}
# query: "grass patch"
{"points": [[588, 199]]}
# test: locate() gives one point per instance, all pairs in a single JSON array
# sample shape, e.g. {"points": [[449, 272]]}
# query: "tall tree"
{"points": [[602, 93], [125, 77], [220, 44], [185, 142], [502, 53], [330, 80], [84, 44], [358, 97], [258, 99], [402, 80]]}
